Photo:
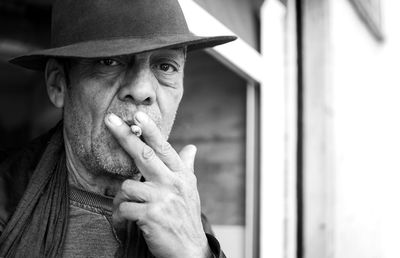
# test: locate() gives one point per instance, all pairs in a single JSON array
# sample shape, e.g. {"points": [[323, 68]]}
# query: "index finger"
{"points": [[153, 137], [151, 167]]}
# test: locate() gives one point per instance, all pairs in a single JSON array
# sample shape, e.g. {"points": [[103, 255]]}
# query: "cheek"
{"points": [[90, 103], [169, 98], [168, 102], [98, 104]]}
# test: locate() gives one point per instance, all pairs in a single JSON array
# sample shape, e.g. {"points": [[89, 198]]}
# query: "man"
{"points": [[93, 186]]}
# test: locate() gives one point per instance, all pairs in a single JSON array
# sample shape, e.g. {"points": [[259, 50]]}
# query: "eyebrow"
{"points": [[183, 49], [91, 59]]}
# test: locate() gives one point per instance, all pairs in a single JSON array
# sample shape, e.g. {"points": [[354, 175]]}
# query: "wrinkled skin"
{"points": [[122, 86], [105, 157]]}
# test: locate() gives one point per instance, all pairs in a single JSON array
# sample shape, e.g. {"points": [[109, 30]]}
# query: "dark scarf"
{"points": [[38, 226], [40, 208]]}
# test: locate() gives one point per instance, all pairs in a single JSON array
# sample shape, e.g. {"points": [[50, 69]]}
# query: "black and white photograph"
{"points": [[199, 128]]}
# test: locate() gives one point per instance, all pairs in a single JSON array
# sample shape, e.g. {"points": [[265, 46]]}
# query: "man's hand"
{"points": [[166, 207]]}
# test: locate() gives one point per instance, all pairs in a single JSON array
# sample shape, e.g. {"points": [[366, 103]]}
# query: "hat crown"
{"points": [[76, 21]]}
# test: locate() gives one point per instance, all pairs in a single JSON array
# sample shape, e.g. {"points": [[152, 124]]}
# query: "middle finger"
{"points": [[154, 138], [151, 167]]}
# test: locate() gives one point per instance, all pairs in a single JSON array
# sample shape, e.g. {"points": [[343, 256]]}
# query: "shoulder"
{"points": [[16, 163], [16, 168]]}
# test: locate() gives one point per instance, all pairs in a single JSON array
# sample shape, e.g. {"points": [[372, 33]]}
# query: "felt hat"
{"points": [[106, 28]]}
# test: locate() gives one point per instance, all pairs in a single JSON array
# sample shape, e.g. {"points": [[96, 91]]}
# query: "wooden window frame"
{"points": [[270, 224]]}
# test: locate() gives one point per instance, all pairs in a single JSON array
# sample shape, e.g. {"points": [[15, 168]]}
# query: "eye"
{"points": [[165, 67], [109, 62]]}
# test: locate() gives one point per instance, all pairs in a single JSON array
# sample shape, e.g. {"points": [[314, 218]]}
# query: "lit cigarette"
{"points": [[136, 130]]}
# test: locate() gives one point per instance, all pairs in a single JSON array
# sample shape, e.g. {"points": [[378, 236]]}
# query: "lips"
{"points": [[134, 128]]}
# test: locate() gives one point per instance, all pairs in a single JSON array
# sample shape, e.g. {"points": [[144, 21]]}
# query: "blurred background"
{"points": [[296, 122]]}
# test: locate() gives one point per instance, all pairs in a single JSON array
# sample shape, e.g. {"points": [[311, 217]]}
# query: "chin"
{"points": [[117, 164]]}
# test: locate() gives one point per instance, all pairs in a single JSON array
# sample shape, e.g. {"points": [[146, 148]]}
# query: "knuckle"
{"points": [[177, 166], [165, 148], [192, 179], [123, 209], [154, 212], [147, 153], [126, 139], [191, 170], [174, 202], [125, 186], [179, 185], [170, 198]]}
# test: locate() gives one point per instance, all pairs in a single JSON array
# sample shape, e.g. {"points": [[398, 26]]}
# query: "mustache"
{"points": [[128, 115]]}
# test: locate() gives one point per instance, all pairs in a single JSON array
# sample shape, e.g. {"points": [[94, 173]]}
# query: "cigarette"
{"points": [[136, 130]]}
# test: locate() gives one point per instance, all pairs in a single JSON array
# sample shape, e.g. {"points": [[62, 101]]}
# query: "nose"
{"points": [[139, 86]]}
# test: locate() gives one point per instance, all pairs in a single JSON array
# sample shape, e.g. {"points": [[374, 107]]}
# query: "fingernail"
{"points": [[115, 120], [140, 117]]}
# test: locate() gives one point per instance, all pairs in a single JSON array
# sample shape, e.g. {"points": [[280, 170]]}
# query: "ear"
{"points": [[56, 83]]}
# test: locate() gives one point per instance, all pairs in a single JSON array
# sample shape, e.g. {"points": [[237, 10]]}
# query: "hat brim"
{"points": [[116, 47]]}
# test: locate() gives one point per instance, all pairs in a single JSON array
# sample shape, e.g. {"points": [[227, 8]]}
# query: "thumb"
{"points": [[187, 155]]}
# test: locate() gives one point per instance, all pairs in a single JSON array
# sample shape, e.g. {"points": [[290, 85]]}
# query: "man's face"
{"points": [[151, 82]]}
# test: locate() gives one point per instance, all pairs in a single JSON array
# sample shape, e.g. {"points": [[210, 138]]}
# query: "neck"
{"points": [[90, 181]]}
